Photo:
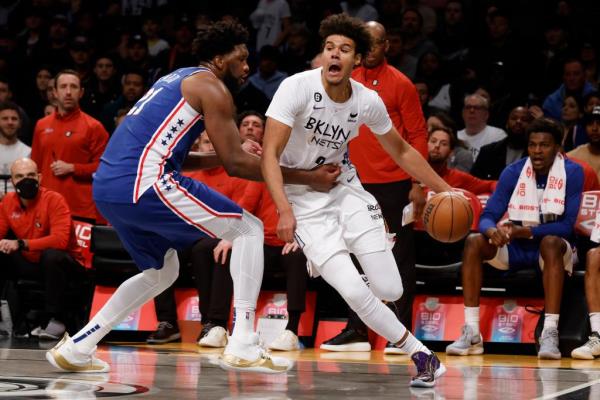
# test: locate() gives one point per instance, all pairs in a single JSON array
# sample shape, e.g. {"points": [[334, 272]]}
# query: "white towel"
{"points": [[524, 204]]}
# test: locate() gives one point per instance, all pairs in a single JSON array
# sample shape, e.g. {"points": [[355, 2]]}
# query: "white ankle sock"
{"points": [[472, 319], [550, 321], [595, 321], [243, 322], [412, 345]]}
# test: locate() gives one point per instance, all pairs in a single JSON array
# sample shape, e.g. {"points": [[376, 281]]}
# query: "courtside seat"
{"points": [[110, 260]]}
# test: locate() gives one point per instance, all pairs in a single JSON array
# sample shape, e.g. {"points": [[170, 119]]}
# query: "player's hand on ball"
{"points": [[325, 177], [286, 226], [417, 197]]}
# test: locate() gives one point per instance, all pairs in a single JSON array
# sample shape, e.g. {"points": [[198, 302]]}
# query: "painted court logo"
{"points": [[47, 388]]}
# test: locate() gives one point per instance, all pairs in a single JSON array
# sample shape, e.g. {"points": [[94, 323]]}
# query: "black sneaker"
{"points": [[347, 340], [165, 333], [205, 329]]}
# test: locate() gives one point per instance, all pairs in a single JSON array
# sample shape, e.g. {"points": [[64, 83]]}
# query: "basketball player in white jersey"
{"points": [[310, 121]]}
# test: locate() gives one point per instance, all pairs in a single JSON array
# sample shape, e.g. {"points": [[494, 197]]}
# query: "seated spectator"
{"points": [[494, 157], [590, 152], [461, 157], [80, 51], [11, 148], [268, 77], [570, 116], [151, 28], [415, 42], [133, 87], [272, 21], [45, 247], [590, 101], [574, 83], [535, 235], [102, 88], [477, 132], [440, 144], [397, 56], [180, 54], [452, 33], [360, 9], [6, 94], [67, 147]]}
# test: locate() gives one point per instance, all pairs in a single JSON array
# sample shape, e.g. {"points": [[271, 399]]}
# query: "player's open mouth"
{"points": [[334, 69]]}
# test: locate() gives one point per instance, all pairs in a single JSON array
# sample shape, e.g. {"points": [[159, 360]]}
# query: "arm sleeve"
{"points": [[564, 227], [60, 227], [412, 118], [98, 139], [498, 203], [377, 118], [287, 102]]}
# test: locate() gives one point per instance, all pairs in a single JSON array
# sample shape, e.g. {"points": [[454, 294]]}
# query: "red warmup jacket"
{"points": [[400, 97], [462, 180], [74, 138], [45, 223], [590, 178]]}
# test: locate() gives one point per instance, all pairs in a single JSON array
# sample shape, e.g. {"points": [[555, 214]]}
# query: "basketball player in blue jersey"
{"points": [[155, 210]]}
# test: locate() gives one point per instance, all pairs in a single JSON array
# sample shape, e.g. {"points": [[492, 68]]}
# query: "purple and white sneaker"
{"points": [[429, 368]]}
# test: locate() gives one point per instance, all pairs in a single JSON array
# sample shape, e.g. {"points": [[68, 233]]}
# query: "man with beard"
{"points": [[590, 152], [155, 210], [494, 157], [11, 148]]}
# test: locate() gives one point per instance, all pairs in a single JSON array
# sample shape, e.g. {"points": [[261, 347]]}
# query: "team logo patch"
{"points": [[318, 97]]}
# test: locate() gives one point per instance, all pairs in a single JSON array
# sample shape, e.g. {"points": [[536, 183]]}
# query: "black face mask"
{"points": [[27, 188]]}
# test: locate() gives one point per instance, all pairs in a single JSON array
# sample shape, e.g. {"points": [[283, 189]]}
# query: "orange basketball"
{"points": [[448, 216]]}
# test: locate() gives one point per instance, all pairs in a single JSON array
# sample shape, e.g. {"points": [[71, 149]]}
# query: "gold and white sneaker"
{"points": [[247, 354], [286, 341], [65, 357]]}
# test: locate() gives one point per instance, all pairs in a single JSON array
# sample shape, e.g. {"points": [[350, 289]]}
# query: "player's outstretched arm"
{"points": [[276, 137], [411, 161], [209, 96]]}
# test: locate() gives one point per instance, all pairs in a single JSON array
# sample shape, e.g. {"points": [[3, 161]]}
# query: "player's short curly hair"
{"points": [[218, 39], [547, 125], [344, 25]]}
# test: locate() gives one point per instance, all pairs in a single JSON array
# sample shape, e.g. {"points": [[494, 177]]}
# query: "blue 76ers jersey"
{"points": [[152, 141]]}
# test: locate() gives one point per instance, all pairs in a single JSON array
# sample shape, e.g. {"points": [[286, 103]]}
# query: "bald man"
{"points": [[41, 247], [389, 184]]}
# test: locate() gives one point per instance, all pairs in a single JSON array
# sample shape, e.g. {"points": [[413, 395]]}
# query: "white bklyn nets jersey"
{"points": [[322, 128]]}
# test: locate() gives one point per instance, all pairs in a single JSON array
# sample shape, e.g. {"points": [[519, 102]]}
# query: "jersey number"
{"points": [[135, 110]]}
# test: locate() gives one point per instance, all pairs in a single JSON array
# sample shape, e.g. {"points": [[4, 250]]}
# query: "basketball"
{"points": [[448, 216]]}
